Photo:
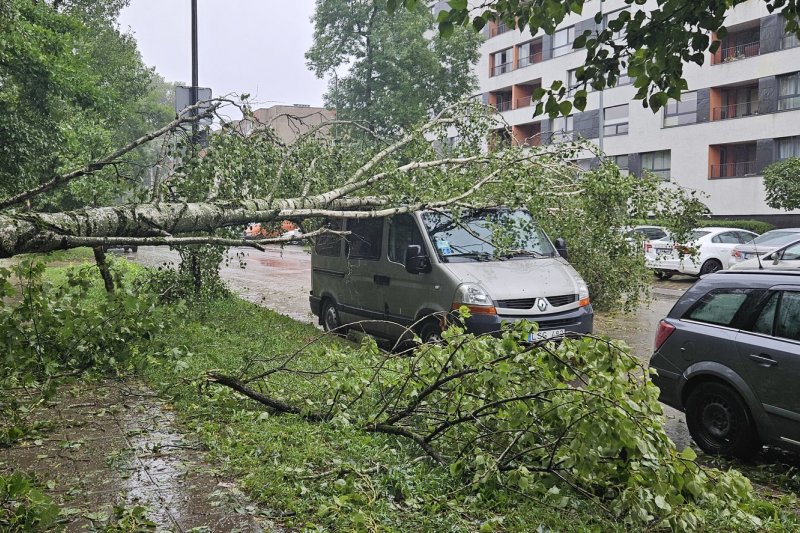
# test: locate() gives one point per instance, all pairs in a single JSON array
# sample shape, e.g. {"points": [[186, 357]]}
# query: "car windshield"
{"points": [[487, 235], [776, 238]]}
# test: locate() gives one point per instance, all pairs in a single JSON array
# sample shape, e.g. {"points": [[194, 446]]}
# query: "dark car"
{"points": [[728, 355]]}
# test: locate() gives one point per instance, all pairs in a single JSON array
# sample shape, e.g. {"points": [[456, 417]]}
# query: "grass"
{"points": [[324, 476]]}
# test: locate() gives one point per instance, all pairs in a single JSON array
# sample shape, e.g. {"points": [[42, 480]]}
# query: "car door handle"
{"points": [[763, 359], [380, 280]]}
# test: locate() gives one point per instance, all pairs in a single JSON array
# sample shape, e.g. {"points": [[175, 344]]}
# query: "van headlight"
{"points": [[474, 298], [583, 293]]}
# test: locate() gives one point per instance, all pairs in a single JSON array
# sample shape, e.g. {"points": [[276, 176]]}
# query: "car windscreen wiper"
{"points": [[480, 256], [527, 253]]}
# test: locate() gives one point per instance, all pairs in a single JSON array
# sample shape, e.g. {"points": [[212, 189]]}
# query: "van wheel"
{"points": [[431, 332], [720, 422], [710, 266], [330, 317]]}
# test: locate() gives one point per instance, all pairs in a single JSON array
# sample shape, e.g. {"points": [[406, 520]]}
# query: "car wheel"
{"points": [[431, 332], [720, 422], [711, 265], [330, 317], [666, 275]]}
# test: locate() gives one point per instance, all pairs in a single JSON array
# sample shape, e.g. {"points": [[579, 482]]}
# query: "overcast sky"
{"points": [[245, 46]]}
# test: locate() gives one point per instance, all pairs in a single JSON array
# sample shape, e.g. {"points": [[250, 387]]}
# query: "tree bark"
{"points": [[102, 266]]}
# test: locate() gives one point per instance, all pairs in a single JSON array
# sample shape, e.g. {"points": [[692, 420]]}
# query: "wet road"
{"points": [[280, 279]]}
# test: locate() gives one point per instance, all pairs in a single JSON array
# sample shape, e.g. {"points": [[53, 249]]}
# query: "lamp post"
{"points": [[195, 81]]}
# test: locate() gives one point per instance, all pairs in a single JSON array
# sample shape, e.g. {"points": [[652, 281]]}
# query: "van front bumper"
{"points": [[580, 320]]}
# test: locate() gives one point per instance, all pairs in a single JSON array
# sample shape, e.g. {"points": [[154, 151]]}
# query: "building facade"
{"points": [[741, 112], [288, 121]]}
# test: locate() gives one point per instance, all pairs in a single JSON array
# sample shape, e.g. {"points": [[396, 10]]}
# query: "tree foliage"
{"points": [[782, 183], [656, 43], [388, 71]]}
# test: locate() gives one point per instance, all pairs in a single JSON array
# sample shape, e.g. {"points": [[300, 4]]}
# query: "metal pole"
{"points": [[601, 112], [195, 81]]}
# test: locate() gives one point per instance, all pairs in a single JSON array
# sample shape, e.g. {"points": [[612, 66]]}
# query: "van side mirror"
{"points": [[561, 248], [417, 261]]}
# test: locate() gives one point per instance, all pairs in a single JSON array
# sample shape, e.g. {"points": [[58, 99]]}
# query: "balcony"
{"points": [[531, 59], [525, 101], [503, 105], [738, 110], [736, 169], [740, 51], [498, 28], [502, 68]]}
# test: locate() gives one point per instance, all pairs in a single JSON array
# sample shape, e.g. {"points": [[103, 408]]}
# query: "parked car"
{"points": [[707, 250], [647, 233], [764, 244], [410, 270], [293, 233], [786, 258], [728, 355]]}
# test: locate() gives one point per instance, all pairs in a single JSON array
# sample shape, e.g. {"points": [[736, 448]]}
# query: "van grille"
{"points": [[528, 303]]}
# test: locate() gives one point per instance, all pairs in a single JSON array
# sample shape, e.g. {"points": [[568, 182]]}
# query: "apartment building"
{"points": [[288, 121], [741, 112]]}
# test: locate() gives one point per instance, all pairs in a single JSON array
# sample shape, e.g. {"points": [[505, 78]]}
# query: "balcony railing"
{"points": [[503, 105], [740, 51], [502, 69], [733, 170], [532, 59], [525, 101], [742, 109], [498, 29]]}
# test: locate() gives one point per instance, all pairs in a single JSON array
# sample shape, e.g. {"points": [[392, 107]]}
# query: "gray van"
{"points": [[392, 274]]}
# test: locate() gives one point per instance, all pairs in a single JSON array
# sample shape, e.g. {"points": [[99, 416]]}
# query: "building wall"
{"points": [[288, 121], [694, 148]]}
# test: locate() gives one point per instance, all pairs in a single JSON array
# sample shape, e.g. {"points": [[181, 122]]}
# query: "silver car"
{"points": [[728, 355], [403, 275], [764, 244]]}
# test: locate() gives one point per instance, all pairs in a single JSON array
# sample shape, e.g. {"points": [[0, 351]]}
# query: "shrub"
{"points": [[782, 184]]}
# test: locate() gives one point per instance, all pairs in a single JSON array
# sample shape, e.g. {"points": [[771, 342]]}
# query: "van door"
{"points": [[362, 300], [770, 353], [404, 294]]}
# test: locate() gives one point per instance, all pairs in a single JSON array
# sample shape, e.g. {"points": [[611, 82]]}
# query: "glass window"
{"points": [[788, 326], [622, 162], [610, 17], [562, 41], [562, 128], [766, 318], [746, 237], [792, 253], [790, 40], [530, 53], [788, 147], [502, 62], [330, 245], [364, 241], [678, 113], [729, 237], [615, 120], [403, 232], [719, 306], [789, 91], [657, 162], [573, 84]]}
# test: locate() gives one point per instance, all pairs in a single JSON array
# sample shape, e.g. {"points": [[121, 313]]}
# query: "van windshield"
{"points": [[486, 235]]}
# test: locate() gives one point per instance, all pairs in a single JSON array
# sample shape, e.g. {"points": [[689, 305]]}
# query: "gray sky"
{"points": [[245, 46]]}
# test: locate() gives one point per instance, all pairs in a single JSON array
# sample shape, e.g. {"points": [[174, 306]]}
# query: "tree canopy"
{"points": [[657, 40], [388, 71]]}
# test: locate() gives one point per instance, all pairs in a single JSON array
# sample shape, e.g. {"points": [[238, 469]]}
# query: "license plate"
{"points": [[546, 334], [663, 251]]}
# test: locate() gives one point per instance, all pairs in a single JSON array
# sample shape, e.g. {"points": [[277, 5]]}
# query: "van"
{"points": [[397, 276]]}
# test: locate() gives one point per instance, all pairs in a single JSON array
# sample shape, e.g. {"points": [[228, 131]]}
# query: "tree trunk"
{"points": [[102, 266]]}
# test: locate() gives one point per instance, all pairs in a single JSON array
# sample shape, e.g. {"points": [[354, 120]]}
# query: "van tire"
{"points": [[720, 422], [431, 332], [329, 316]]}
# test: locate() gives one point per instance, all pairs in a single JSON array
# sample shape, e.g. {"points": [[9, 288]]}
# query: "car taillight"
{"points": [[736, 253], [647, 247], [664, 330]]}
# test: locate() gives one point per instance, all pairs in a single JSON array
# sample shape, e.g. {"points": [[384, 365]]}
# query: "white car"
{"points": [[786, 258], [764, 244], [708, 250]]}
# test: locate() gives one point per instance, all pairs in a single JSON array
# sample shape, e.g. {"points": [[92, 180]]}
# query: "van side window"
{"points": [[364, 241], [330, 245], [403, 232], [719, 306], [788, 326]]}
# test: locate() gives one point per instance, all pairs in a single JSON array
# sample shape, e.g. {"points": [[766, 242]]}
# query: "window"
{"points": [[616, 34], [364, 241], [719, 306], [562, 128], [615, 120], [788, 326], [787, 147], [657, 162], [562, 41], [683, 112], [622, 162], [403, 232], [789, 40], [766, 318], [729, 237], [501, 62], [573, 83], [789, 91], [530, 53], [330, 245], [792, 253]]}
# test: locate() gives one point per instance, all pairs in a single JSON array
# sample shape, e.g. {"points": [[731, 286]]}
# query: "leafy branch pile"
{"points": [[550, 422]]}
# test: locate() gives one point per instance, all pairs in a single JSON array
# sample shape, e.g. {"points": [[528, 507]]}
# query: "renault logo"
{"points": [[542, 305]]}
